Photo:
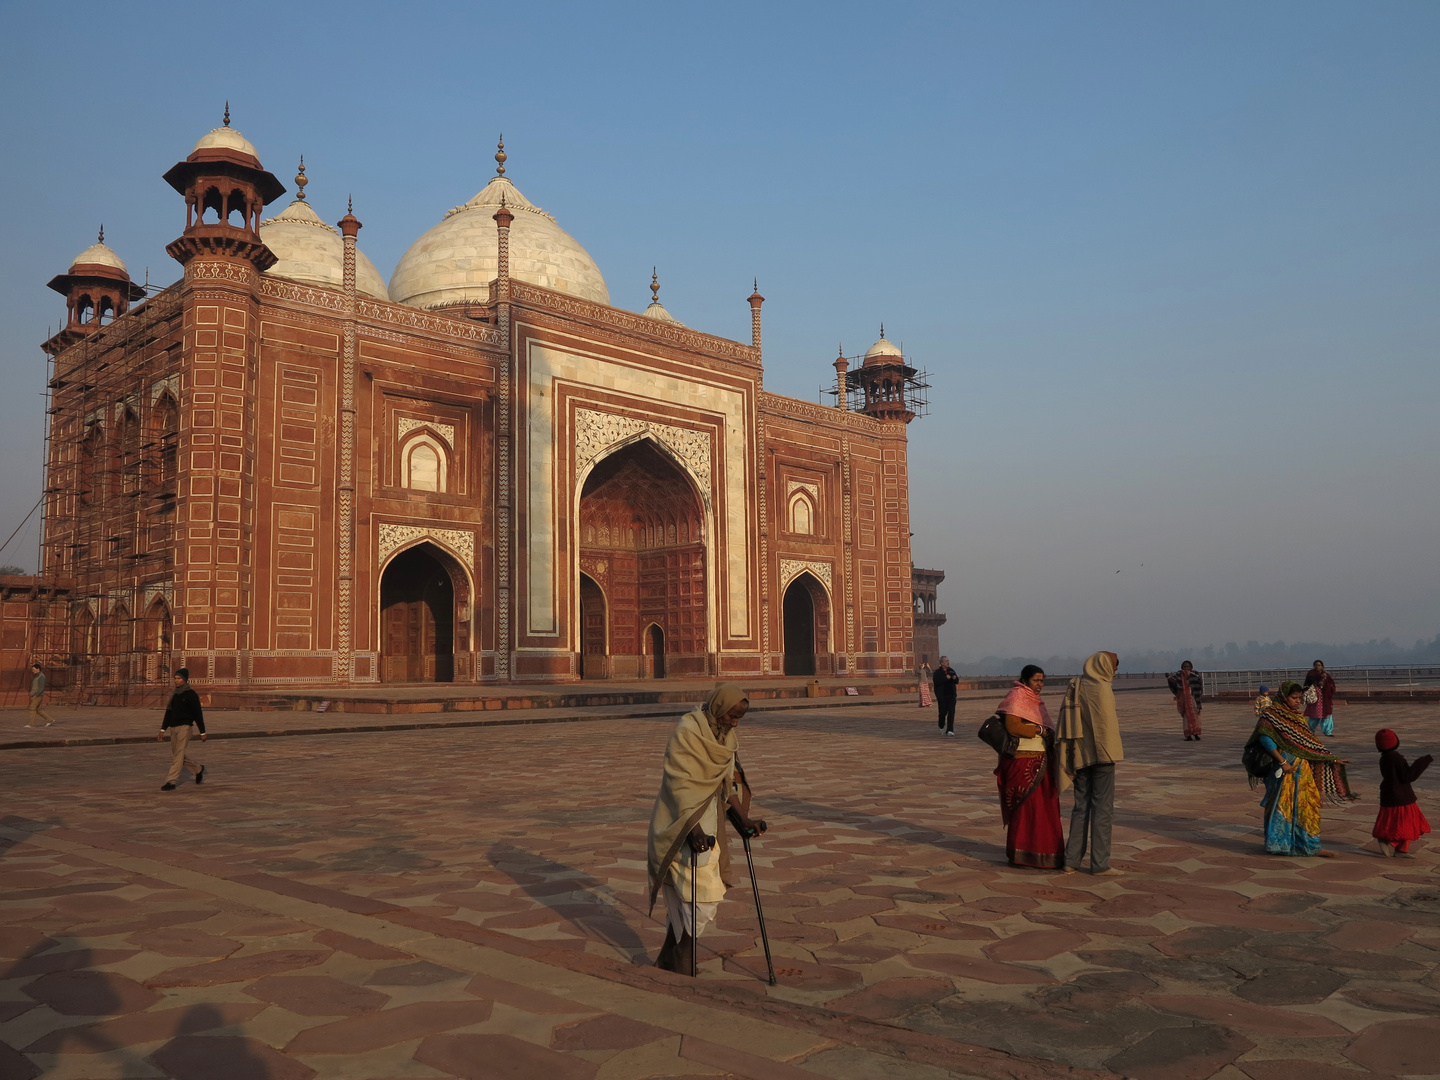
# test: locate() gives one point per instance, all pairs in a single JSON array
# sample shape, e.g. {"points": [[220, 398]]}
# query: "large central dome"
{"points": [[457, 259]]}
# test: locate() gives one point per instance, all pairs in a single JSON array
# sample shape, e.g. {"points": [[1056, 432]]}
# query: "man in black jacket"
{"points": [[182, 716], [945, 683]]}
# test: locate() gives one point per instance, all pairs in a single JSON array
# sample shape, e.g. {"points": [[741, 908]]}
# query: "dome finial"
{"points": [[500, 156], [349, 204], [227, 114], [301, 180], [882, 330], [101, 240], [654, 286]]}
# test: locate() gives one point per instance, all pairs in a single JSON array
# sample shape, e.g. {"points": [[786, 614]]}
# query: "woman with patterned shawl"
{"points": [[689, 857], [1187, 686], [1305, 771], [1029, 789], [1321, 712]]}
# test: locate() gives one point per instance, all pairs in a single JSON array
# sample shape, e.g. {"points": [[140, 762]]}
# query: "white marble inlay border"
{"points": [[542, 428]]}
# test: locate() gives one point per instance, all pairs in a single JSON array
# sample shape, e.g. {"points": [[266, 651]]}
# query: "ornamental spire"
{"points": [[654, 286], [500, 156], [301, 180], [227, 114], [101, 239]]}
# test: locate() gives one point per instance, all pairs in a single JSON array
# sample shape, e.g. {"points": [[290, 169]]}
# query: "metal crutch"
{"points": [[694, 927], [759, 912]]}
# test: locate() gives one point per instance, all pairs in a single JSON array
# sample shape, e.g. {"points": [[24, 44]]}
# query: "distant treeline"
{"points": [[1253, 654]]}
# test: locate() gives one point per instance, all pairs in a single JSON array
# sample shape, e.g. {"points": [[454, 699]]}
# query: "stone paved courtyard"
{"points": [[469, 903]]}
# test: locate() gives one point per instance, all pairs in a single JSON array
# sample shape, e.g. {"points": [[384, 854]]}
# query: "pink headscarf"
{"points": [[1025, 703]]}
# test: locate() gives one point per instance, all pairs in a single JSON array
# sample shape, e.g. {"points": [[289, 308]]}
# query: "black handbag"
{"points": [[993, 734]]}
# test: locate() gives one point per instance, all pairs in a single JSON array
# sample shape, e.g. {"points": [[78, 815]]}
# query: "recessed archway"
{"points": [[592, 630], [641, 539], [805, 611], [417, 616]]}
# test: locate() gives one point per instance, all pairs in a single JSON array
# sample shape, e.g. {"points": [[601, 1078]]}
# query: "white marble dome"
{"points": [[456, 260], [226, 138], [99, 255], [312, 251], [882, 349]]}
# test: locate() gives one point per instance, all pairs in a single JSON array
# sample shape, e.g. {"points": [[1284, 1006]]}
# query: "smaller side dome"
{"points": [[882, 349], [222, 139], [225, 138], [99, 254], [312, 251], [656, 310]]}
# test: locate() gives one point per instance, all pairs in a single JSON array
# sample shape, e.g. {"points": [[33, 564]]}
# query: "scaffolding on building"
{"points": [[889, 390], [109, 533]]}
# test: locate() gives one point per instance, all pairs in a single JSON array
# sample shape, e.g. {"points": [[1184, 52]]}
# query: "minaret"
{"points": [[97, 289], [221, 179], [755, 301], [504, 437], [841, 366], [345, 487]]}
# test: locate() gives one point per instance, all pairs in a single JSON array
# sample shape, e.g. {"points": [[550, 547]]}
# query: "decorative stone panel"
{"points": [[407, 424], [458, 542], [790, 569], [597, 432]]}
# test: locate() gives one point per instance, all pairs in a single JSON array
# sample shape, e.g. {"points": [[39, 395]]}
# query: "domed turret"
{"points": [[312, 251], [97, 289], [455, 261], [223, 177]]}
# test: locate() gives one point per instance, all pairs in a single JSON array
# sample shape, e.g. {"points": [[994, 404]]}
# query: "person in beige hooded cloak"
{"points": [[1088, 738], [702, 781]]}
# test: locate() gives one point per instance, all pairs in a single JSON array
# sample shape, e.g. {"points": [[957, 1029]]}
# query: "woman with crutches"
{"points": [[689, 857]]}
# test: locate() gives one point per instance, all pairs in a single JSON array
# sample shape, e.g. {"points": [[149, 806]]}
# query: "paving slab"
{"points": [[469, 901]]}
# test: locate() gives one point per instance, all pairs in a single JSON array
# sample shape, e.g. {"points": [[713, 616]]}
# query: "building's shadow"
{"points": [[578, 898]]}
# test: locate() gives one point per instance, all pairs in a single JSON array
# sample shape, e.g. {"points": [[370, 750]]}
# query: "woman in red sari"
{"points": [[1029, 793]]}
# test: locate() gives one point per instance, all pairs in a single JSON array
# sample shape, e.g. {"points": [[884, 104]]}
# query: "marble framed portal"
{"points": [[586, 403]]}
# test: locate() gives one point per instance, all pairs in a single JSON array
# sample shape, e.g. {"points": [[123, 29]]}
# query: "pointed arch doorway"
{"points": [[806, 614], [641, 541], [417, 617]]}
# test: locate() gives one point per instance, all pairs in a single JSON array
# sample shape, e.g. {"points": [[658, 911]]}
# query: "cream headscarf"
{"points": [[700, 765], [1088, 730]]}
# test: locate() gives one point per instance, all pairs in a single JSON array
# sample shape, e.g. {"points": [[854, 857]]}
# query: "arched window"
{"points": [[161, 446], [424, 464], [84, 308], [211, 203], [237, 210], [802, 514]]}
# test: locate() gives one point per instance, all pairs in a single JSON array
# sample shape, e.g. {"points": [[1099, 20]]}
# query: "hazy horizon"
{"points": [[1172, 269]]}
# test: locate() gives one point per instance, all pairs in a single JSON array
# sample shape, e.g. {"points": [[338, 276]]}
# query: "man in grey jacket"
{"points": [[37, 698]]}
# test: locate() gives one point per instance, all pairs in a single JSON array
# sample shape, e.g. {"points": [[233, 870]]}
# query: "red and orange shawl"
{"points": [[1025, 703]]}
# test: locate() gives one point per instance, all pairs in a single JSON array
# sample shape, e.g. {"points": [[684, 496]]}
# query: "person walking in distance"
{"points": [[37, 698], [1187, 686], [945, 683], [182, 716], [1089, 738]]}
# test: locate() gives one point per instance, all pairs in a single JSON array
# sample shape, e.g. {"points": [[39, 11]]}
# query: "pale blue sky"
{"points": [[1173, 268]]}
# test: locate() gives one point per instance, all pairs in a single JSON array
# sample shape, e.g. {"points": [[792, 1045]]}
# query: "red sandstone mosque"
{"points": [[280, 471]]}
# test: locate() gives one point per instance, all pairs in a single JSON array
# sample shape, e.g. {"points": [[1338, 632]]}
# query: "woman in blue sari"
{"points": [[1304, 772]]}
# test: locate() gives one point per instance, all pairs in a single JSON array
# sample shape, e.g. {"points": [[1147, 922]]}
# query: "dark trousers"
{"points": [[947, 713], [1092, 818]]}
